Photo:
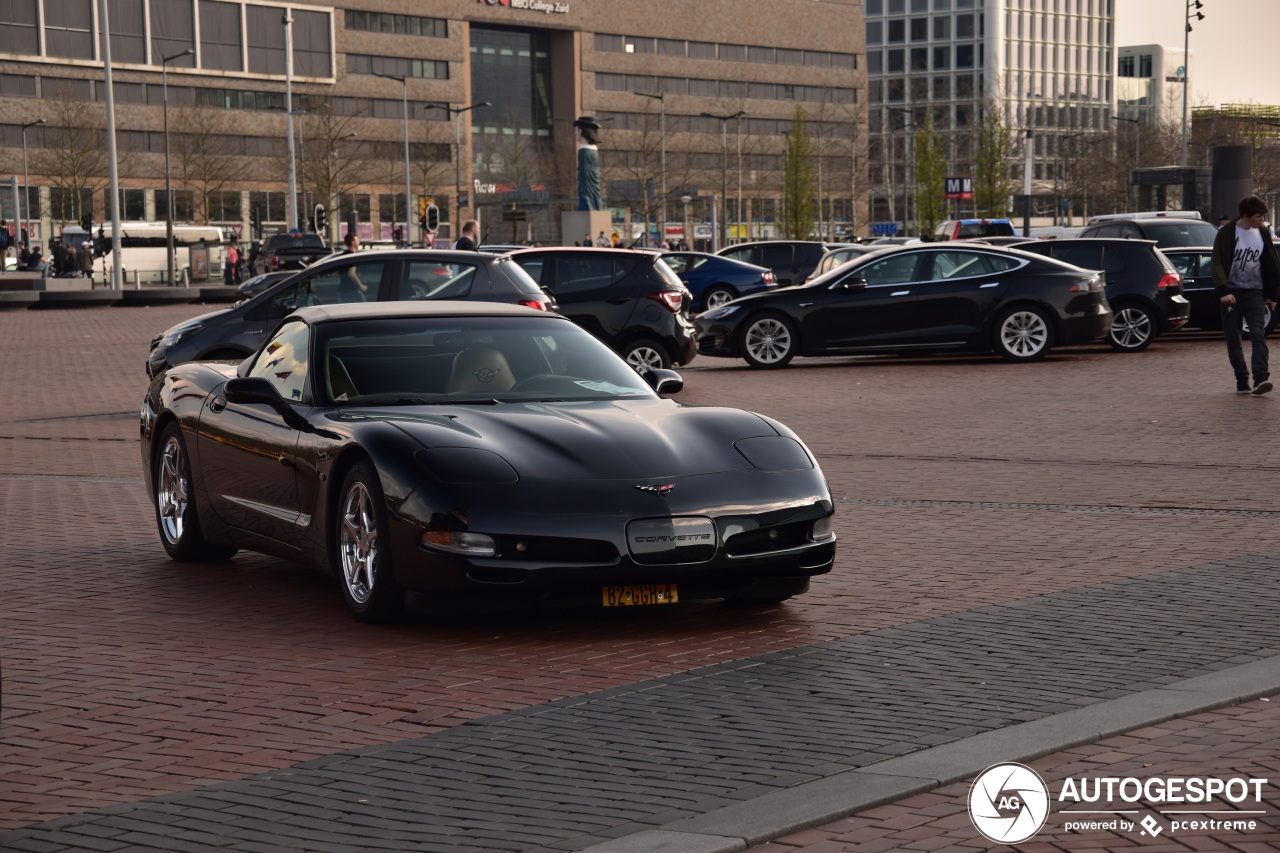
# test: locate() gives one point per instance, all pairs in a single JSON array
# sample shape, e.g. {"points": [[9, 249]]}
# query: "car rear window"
{"points": [[1187, 233], [516, 274], [985, 229]]}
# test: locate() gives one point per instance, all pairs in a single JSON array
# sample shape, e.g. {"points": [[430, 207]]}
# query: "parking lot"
{"points": [[964, 486]]}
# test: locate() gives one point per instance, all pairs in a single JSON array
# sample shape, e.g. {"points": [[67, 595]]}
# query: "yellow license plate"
{"points": [[638, 595]]}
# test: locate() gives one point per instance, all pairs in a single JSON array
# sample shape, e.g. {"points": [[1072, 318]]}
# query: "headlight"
{"points": [[821, 529], [179, 333], [720, 313], [460, 542]]}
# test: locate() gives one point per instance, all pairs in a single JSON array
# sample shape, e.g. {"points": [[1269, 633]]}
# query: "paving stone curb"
{"points": [[813, 804]]}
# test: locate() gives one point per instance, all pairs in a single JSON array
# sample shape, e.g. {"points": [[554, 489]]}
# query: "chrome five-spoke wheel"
{"points": [[358, 543]]}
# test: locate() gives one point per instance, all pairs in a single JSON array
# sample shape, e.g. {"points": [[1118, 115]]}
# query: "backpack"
{"points": [[4, 238]]}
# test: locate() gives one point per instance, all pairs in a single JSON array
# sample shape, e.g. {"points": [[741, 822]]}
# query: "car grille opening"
{"points": [[768, 539], [555, 549]]}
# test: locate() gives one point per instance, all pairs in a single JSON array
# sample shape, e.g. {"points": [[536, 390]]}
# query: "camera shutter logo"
{"points": [[1008, 803]]}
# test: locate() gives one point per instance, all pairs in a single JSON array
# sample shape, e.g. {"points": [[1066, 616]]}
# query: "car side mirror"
{"points": [[288, 306], [664, 381], [850, 284], [249, 390]]}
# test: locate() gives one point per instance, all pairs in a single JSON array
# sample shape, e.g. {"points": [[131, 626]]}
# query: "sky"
{"points": [[1235, 50]]}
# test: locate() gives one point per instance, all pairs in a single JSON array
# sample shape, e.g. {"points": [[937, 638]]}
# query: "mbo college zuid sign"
{"points": [[531, 6]]}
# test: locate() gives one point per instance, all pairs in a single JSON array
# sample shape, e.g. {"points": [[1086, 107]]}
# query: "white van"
{"points": [[143, 249]]}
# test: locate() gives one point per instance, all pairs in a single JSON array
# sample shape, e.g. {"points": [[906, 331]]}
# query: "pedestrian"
{"points": [[587, 241], [350, 287], [470, 239], [5, 242], [231, 272], [602, 241], [36, 263], [1246, 280], [1224, 220], [84, 259]]}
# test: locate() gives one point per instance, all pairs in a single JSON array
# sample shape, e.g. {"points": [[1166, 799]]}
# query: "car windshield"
{"points": [[1181, 233], [468, 361]]}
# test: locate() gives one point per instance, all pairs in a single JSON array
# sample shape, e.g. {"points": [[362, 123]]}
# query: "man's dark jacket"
{"points": [[1224, 253]]}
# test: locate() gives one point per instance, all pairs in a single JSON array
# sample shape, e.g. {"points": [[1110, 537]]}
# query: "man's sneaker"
{"points": [[1262, 387], [1242, 386]]}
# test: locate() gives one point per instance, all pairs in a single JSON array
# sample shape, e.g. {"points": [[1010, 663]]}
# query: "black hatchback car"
{"points": [[628, 298], [1167, 232], [792, 261], [1144, 289], [930, 298], [409, 274]]}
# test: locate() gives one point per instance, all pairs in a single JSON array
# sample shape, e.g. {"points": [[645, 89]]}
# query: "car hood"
{"points": [[199, 318], [596, 439]]}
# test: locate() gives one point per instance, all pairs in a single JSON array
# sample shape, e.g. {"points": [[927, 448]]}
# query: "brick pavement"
{"points": [[1239, 741], [963, 483]]}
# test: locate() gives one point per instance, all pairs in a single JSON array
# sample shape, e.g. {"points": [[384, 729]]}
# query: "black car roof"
{"points": [[395, 310]]}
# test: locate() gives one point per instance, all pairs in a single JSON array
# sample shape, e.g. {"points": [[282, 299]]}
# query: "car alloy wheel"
{"points": [[172, 490], [1132, 329], [1023, 335], [644, 356], [358, 543], [717, 296], [363, 552], [768, 341]]}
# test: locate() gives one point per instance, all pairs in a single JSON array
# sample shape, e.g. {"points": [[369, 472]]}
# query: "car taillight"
{"points": [[275, 263], [533, 303], [672, 299], [1087, 285], [769, 278], [1169, 280]]}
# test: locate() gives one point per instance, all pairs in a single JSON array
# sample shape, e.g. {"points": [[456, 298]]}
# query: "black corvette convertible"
{"points": [[470, 449]]}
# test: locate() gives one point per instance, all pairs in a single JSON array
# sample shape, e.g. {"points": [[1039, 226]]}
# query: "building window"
{"points": [[733, 52], [790, 57], [266, 40], [919, 29], [66, 28], [942, 88], [604, 42], [897, 61], [919, 59], [875, 32], [875, 62], [941, 58], [220, 40], [173, 31], [942, 28], [18, 30], [702, 50], [183, 205], [964, 56], [128, 39], [897, 31], [1144, 65], [375, 22], [611, 82], [133, 204], [964, 26], [671, 47]]}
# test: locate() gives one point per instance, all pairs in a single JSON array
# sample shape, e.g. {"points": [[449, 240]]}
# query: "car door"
{"points": [[1197, 285], [247, 451], [431, 279], [958, 293], [583, 285], [845, 315]]}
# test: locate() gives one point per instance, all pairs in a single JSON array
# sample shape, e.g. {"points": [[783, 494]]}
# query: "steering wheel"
{"points": [[530, 383]]}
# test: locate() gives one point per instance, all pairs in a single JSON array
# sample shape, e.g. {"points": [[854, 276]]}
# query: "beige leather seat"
{"points": [[340, 385], [482, 370]]}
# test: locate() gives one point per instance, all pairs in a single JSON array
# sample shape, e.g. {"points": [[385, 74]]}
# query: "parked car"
{"points": [[1197, 286], [259, 283], [628, 298], [1144, 289], [960, 229], [835, 257], [409, 274], [931, 298], [714, 280], [996, 241], [1167, 232], [501, 248], [480, 451], [289, 252], [790, 260]]}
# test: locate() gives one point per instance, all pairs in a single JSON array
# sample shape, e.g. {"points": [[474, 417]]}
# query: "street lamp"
{"points": [[724, 174], [170, 274], [404, 84], [1193, 10], [660, 97], [26, 183], [688, 227], [452, 111]]}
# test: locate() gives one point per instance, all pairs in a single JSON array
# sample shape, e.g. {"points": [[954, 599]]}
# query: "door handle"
{"points": [[900, 293], [618, 300], [217, 404]]}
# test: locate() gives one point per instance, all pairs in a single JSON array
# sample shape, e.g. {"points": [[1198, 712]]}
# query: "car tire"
{"points": [[1132, 329], [645, 354], [717, 295], [768, 341], [176, 516], [1023, 333], [768, 592], [362, 548]]}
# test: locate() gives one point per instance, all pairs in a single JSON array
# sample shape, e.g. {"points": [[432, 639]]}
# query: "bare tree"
{"points": [[992, 184], [799, 181], [335, 163], [200, 156], [931, 175], [74, 157]]}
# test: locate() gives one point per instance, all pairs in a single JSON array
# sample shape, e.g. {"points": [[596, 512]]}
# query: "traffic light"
{"points": [[397, 234], [431, 219], [320, 219], [255, 221], [86, 222]]}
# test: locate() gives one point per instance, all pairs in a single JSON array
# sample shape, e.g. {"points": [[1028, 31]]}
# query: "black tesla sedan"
{"points": [[478, 450], [930, 298]]}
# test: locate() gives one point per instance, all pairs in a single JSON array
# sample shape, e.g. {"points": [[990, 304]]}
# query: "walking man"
{"points": [[470, 239], [1246, 280]]}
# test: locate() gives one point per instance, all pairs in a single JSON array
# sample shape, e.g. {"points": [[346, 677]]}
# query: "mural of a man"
{"points": [[587, 132]]}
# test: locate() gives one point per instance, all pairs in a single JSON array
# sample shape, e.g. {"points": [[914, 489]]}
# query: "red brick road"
{"points": [[127, 676]]}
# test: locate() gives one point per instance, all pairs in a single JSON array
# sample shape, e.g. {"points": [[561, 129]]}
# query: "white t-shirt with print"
{"points": [[1246, 266]]}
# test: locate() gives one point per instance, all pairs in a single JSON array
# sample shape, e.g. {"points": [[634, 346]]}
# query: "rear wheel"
{"points": [[1023, 334], [718, 295], [176, 516], [645, 354], [1132, 328], [363, 548], [768, 341]]}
